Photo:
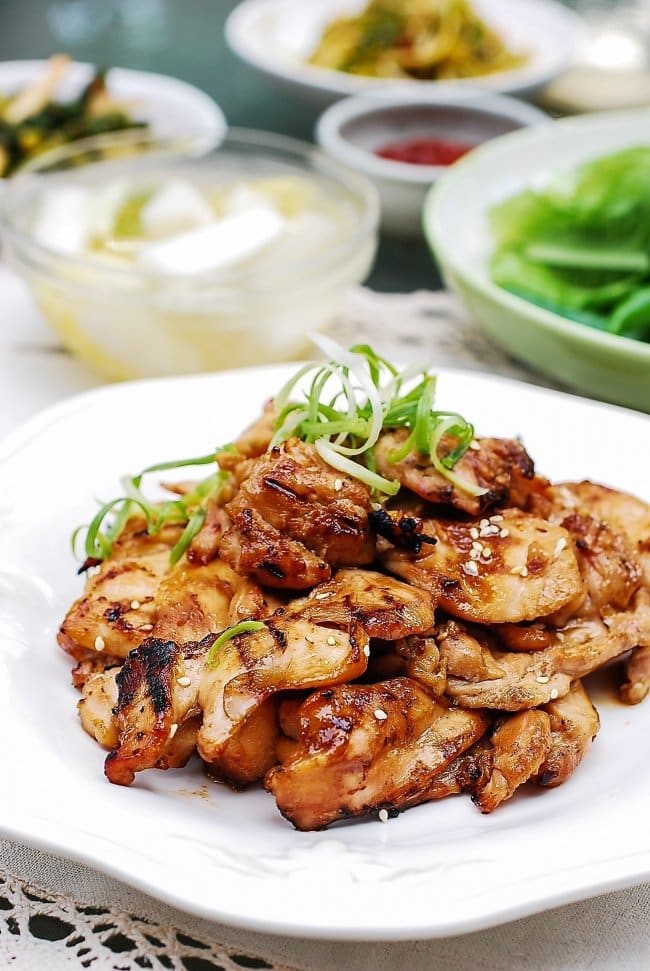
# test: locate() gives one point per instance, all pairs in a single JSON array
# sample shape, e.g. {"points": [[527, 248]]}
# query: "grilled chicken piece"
{"points": [[611, 573], [530, 680], [622, 512], [513, 568], [289, 654], [205, 545], [520, 743], [574, 726], [294, 517], [255, 549], [608, 564], [469, 772], [500, 466], [467, 652], [423, 663], [193, 601], [90, 664], [99, 697], [637, 669], [116, 612], [158, 688], [368, 747], [159, 683], [251, 602], [382, 606]]}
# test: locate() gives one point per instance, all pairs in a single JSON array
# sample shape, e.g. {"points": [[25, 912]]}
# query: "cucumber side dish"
{"points": [[581, 246]]}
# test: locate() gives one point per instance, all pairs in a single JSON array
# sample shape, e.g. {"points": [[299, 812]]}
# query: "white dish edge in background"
{"points": [[277, 36], [170, 106], [437, 870]]}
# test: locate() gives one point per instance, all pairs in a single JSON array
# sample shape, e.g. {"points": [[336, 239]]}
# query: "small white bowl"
{"points": [[353, 130], [169, 107]]}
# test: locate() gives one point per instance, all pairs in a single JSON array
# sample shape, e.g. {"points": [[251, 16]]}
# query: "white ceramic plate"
{"points": [[171, 107], [436, 870], [278, 36]]}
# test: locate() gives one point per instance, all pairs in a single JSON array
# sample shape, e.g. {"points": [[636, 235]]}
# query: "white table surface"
{"points": [[608, 932]]}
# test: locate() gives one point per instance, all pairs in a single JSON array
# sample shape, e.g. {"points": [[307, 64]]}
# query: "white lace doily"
{"points": [[43, 929]]}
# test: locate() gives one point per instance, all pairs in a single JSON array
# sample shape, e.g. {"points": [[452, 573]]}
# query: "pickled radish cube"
{"points": [[105, 202], [62, 221], [243, 198], [175, 207], [218, 246]]}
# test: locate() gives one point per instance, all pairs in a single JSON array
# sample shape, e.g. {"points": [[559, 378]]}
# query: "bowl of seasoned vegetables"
{"points": [[325, 49], [545, 235], [151, 256], [46, 104]]}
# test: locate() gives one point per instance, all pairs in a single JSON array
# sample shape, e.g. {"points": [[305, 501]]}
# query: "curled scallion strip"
{"points": [[350, 400], [188, 510], [243, 627], [186, 537], [356, 395]]}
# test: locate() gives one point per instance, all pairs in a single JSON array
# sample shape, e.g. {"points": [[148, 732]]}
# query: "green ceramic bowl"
{"points": [[455, 223]]}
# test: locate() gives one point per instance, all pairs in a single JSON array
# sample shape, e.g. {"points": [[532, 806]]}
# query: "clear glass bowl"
{"points": [[127, 321]]}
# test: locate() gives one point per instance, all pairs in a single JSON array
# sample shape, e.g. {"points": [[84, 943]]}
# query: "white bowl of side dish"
{"points": [[456, 221], [156, 257], [355, 130], [166, 105], [277, 38]]}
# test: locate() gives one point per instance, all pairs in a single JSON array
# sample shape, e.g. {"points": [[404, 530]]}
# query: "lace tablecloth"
{"points": [[55, 914]]}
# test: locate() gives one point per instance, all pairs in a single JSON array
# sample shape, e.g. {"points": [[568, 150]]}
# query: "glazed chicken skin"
{"points": [[382, 606], [480, 675], [520, 743], [156, 688], [116, 612], [574, 725], [512, 567], [622, 512], [294, 518], [367, 747], [500, 467]]}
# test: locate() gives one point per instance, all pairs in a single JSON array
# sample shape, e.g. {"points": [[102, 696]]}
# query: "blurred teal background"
{"points": [[185, 38], [179, 37]]}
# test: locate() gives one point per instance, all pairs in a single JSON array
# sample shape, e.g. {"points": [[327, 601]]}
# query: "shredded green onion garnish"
{"points": [[355, 396], [188, 510], [350, 399], [243, 627]]}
